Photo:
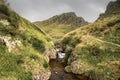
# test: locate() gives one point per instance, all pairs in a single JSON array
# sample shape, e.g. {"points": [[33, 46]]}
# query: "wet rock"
{"points": [[67, 69]]}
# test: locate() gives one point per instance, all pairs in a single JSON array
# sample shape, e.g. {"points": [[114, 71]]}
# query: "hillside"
{"points": [[22, 48], [112, 9], [59, 25], [94, 50]]}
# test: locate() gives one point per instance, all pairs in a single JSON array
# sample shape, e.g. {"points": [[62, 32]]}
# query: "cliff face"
{"points": [[68, 18], [112, 9]]}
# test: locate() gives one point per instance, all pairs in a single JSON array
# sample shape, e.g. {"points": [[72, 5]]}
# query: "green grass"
{"points": [[98, 57], [21, 65], [56, 31], [37, 44], [10, 66], [28, 59], [97, 48]]}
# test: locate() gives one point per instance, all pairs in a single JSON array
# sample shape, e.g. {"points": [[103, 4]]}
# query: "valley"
{"points": [[63, 47], [57, 26]]}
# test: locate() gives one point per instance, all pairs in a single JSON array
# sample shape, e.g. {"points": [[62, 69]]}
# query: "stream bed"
{"points": [[58, 73]]}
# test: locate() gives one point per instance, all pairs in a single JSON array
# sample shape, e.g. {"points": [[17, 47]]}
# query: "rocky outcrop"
{"points": [[69, 18], [50, 54], [4, 22], [112, 9], [11, 44], [42, 76]]}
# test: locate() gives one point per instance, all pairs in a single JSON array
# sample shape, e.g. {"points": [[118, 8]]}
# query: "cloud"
{"points": [[37, 10]]}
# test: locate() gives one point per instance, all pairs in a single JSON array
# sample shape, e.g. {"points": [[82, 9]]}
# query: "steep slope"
{"points": [[112, 9], [59, 25], [22, 48], [94, 50]]}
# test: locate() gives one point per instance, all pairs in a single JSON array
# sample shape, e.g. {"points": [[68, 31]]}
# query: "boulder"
{"points": [[42, 76], [75, 66], [50, 54]]}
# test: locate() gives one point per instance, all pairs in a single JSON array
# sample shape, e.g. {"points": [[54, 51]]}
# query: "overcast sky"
{"points": [[38, 10]]}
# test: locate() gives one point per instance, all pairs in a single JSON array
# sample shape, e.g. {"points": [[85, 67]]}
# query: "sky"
{"points": [[38, 10]]}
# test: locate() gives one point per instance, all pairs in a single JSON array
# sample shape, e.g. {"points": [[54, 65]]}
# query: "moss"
{"points": [[68, 52], [67, 69], [45, 65]]}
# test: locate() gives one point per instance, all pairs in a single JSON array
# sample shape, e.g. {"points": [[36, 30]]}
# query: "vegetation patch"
{"points": [[37, 44]]}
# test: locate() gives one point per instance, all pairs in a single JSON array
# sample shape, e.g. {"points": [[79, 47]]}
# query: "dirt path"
{"points": [[106, 42], [58, 72], [102, 40]]}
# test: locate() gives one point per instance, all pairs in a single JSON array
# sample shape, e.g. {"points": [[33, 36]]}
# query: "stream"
{"points": [[57, 68], [58, 73]]}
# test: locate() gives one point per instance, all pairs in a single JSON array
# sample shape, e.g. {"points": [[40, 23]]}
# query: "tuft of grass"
{"points": [[37, 44], [46, 64]]}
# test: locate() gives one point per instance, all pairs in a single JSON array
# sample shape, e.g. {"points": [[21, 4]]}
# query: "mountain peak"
{"points": [[68, 14], [69, 18], [113, 8]]}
